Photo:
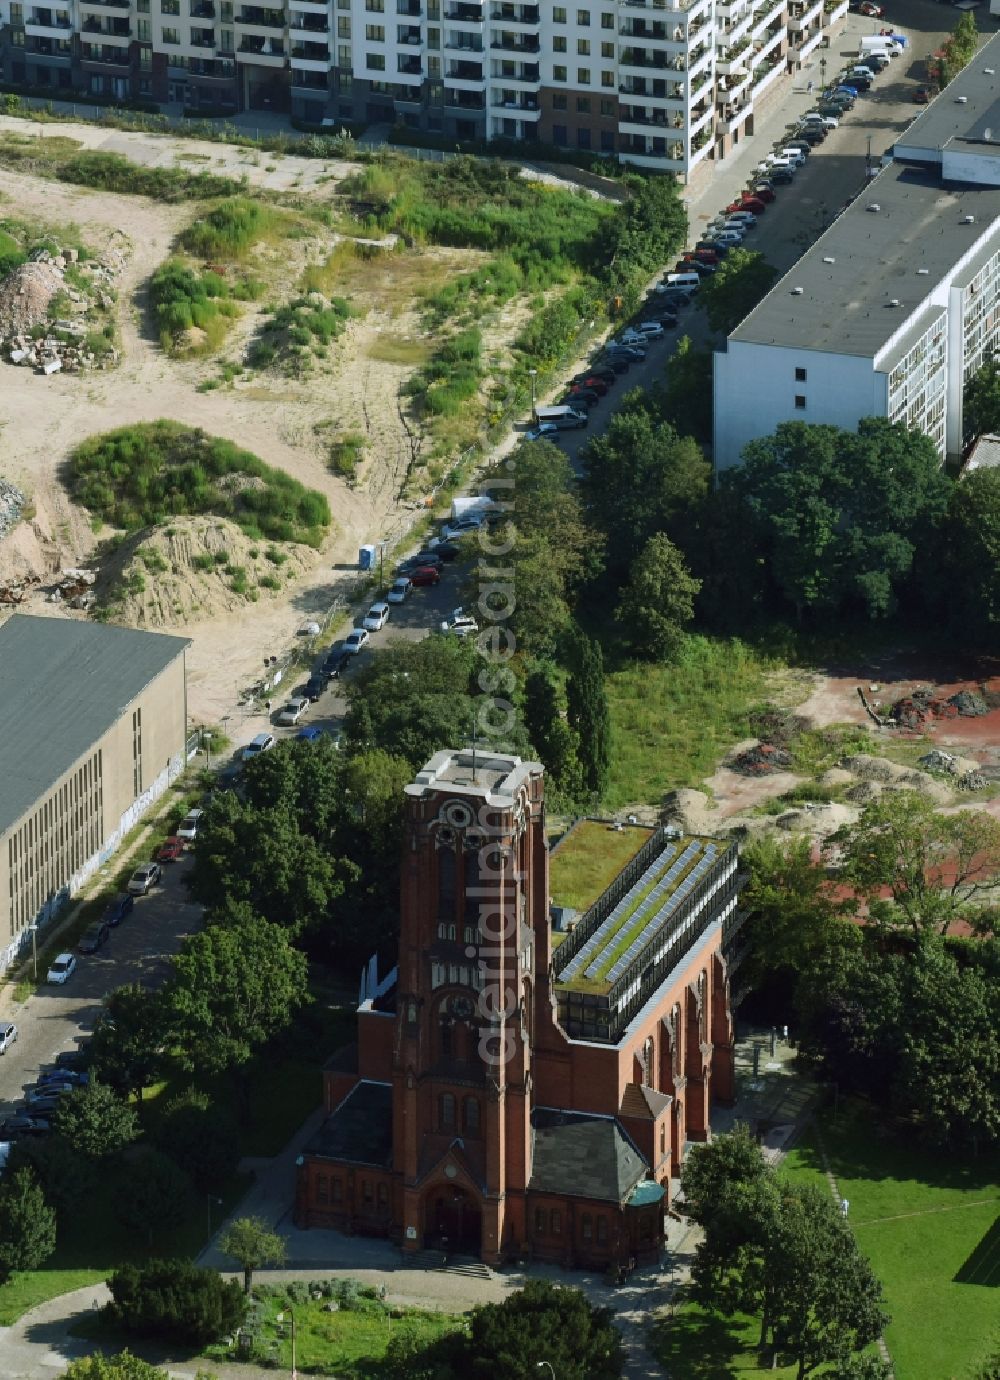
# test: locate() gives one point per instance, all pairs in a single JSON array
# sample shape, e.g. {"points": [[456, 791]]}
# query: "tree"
{"points": [[124, 1366], [640, 478], [95, 1121], [230, 992], [641, 236], [176, 1301], [743, 279], [27, 1224], [200, 1136], [152, 1193], [981, 403], [252, 1245], [688, 391], [554, 741], [587, 708], [933, 866], [128, 1045], [65, 1175], [971, 552], [578, 1339], [838, 516], [732, 1158], [658, 601], [865, 1367]]}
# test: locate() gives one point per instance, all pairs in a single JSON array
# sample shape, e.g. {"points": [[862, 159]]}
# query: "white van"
{"points": [[564, 418], [689, 281], [796, 155]]}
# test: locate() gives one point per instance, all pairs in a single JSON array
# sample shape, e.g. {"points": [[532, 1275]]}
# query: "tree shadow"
{"points": [[699, 1346]]}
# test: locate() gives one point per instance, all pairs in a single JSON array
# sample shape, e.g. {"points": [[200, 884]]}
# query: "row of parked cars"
{"points": [[33, 1117]]}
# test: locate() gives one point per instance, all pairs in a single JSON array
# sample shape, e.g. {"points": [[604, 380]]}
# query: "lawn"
{"points": [[928, 1224], [588, 860], [672, 724], [700, 1345], [344, 1342]]}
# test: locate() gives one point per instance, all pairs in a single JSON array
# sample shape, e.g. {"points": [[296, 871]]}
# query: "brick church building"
{"points": [[525, 1080]]}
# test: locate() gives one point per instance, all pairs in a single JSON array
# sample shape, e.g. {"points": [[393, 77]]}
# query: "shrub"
{"points": [[112, 173], [138, 475], [183, 301], [300, 325], [451, 376], [175, 1300], [230, 230]]}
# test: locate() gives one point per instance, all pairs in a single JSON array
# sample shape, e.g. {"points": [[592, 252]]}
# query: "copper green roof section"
{"points": [[587, 860]]}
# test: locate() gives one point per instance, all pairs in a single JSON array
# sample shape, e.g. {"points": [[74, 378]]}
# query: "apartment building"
{"points": [[94, 725], [897, 305], [664, 84]]}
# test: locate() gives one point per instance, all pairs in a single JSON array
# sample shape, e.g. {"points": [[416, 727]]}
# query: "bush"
{"points": [[138, 475], [110, 172], [299, 326], [230, 230], [175, 1300], [451, 376], [183, 301]]}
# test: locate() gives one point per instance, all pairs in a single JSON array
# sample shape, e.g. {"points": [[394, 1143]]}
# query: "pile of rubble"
{"points": [[913, 710], [15, 590], [762, 760], [26, 296], [75, 588], [12, 503]]}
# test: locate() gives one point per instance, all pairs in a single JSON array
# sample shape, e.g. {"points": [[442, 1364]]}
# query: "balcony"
{"points": [[465, 46], [104, 4], [642, 57], [516, 14], [409, 67], [106, 57], [508, 45], [212, 69], [261, 19], [48, 24], [528, 74], [306, 53], [408, 35], [260, 54], [409, 8], [464, 14], [308, 80], [801, 16], [309, 24], [463, 100], [202, 10], [58, 49]]}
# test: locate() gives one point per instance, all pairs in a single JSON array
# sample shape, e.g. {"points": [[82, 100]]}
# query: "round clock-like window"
{"points": [[458, 814], [462, 1008]]}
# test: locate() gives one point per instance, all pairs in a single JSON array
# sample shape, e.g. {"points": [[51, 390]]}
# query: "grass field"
{"points": [[698, 1345], [672, 724], [931, 1226]]}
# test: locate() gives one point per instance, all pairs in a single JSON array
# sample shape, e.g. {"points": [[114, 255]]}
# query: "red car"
{"points": [[590, 381], [170, 849], [424, 575], [707, 256], [754, 204], [762, 193], [873, 11], [921, 95]]}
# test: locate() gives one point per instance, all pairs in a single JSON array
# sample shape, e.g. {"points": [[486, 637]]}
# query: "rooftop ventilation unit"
{"points": [[968, 220], [797, 292], [873, 206], [987, 134], [923, 271], [962, 100], [829, 259], [988, 71], [894, 302]]}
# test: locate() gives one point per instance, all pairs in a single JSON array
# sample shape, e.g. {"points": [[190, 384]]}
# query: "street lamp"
{"points": [[531, 374], [34, 952], [539, 1365], [281, 1318], [822, 72]]}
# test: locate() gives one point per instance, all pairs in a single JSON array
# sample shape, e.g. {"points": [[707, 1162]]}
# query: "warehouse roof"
{"points": [[63, 683], [839, 296]]}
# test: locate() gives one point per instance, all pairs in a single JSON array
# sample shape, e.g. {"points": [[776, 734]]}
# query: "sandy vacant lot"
{"points": [[286, 421]]}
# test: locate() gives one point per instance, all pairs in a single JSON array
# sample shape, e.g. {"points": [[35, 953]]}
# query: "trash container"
{"points": [[366, 558]]}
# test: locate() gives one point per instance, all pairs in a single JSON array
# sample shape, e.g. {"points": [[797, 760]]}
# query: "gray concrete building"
{"points": [[93, 723], [896, 306]]}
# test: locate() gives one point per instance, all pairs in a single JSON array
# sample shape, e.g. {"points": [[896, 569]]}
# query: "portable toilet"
{"points": [[366, 558]]}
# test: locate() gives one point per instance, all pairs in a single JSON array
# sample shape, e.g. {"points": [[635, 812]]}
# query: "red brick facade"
{"points": [[466, 1061]]}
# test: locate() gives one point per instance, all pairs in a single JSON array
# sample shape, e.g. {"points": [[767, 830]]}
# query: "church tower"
{"points": [[474, 938]]}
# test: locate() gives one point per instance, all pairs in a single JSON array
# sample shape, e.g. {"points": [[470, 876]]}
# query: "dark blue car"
{"points": [[118, 909], [309, 734]]}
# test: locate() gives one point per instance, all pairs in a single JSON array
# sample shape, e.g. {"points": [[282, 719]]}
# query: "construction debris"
{"points": [[969, 704], [74, 588], [30, 332], [12, 502], [762, 760], [14, 592]]}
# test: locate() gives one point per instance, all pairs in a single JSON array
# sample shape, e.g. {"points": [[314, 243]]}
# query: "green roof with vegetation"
{"points": [[586, 861]]}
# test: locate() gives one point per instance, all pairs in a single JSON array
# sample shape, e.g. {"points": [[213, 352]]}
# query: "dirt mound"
{"points": [[761, 760], [969, 704], [25, 295], [779, 727], [868, 768], [193, 568], [864, 792], [836, 776], [689, 810]]}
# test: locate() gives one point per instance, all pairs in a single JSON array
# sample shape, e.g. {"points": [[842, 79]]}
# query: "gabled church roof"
{"points": [[583, 1156], [642, 1103], [359, 1131]]}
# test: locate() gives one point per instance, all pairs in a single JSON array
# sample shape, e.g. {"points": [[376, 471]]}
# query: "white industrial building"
{"points": [[895, 307], [663, 84]]}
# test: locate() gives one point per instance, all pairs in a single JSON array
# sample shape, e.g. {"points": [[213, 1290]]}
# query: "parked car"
{"points": [[188, 827], [425, 558], [634, 349], [75, 1078], [144, 878], [309, 734], [545, 431], [580, 397], [314, 687], [596, 385], [292, 710], [871, 10], [377, 617], [8, 1036], [335, 662], [632, 354], [13, 1126], [784, 177], [62, 969], [399, 590], [446, 551], [460, 624], [74, 1058], [922, 95], [43, 1107], [262, 742], [94, 937], [118, 909], [601, 371], [814, 117], [355, 640], [652, 329], [170, 849], [618, 363], [666, 319], [425, 575]]}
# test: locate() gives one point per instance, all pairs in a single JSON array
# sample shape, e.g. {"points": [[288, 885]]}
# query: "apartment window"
{"points": [[343, 59], [583, 105], [343, 26], [338, 1190], [558, 15], [144, 30], [608, 50], [583, 76], [608, 80], [434, 67], [142, 6], [555, 1222], [376, 6], [170, 6], [558, 101], [583, 138], [583, 19], [559, 135], [434, 38], [559, 43], [586, 1226], [375, 33], [800, 401], [383, 1196], [376, 61], [447, 1111], [367, 1196], [559, 74], [800, 375], [433, 9], [583, 47], [663, 1139], [607, 107], [226, 11], [539, 1221], [607, 21]]}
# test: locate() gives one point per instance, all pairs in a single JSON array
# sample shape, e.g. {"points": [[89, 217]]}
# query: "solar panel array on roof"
{"points": [[596, 941], [657, 922], [652, 903]]}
